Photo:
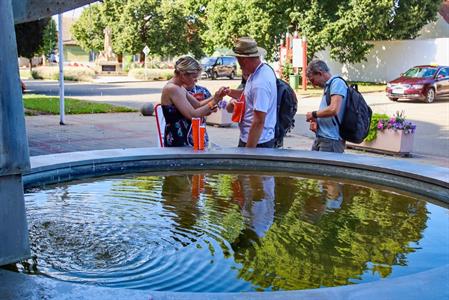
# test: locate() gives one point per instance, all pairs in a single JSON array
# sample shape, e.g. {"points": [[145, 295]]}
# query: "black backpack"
{"points": [[357, 117], [287, 105]]}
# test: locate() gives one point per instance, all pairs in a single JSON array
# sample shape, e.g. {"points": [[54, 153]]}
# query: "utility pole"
{"points": [[61, 71]]}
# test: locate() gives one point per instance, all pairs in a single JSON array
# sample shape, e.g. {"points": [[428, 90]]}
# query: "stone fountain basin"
{"points": [[429, 181]]}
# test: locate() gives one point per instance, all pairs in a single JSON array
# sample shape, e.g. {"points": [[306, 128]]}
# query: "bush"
{"points": [[70, 73], [151, 74], [36, 75], [372, 133], [287, 70], [127, 61]]}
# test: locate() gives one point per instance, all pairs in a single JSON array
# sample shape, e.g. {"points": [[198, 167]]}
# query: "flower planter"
{"points": [[388, 141]]}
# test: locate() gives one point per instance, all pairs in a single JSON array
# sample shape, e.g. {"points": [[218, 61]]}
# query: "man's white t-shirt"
{"points": [[261, 95]]}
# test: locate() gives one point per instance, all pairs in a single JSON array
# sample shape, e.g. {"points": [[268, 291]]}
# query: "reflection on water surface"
{"points": [[227, 233]]}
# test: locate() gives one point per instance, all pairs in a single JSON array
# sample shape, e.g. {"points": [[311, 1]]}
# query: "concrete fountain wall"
{"points": [[432, 182]]}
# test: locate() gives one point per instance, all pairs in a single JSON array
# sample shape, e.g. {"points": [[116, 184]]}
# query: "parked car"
{"points": [[222, 66], [426, 82]]}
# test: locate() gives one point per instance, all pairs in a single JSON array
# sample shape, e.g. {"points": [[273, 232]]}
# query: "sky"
{"points": [[71, 13]]}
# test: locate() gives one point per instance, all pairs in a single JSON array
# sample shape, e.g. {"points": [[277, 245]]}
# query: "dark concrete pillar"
{"points": [[13, 226], [14, 157]]}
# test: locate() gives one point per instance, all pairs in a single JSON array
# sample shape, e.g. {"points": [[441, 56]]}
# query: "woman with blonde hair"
{"points": [[179, 106]]}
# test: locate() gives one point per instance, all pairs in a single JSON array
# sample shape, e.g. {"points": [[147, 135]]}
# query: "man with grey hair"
{"points": [[325, 121]]}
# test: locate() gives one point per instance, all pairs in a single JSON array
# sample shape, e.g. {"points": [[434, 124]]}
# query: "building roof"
{"points": [[67, 37]]}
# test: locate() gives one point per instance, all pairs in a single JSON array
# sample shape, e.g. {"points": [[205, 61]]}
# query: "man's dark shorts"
{"points": [[328, 145], [269, 144]]}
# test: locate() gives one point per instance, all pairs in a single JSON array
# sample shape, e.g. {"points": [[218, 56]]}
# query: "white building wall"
{"points": [[390, 58]]}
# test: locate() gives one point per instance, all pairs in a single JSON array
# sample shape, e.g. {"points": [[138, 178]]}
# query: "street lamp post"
{"points": [[61, 72]]}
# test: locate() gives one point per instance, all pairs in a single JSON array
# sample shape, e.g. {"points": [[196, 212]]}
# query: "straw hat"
{"points": [[247, 47]]}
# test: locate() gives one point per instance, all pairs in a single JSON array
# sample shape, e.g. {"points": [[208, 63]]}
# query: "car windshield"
{"points": [[208, 60], [420, 72]]}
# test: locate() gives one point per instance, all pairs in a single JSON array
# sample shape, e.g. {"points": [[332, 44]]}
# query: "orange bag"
{"points": [[195, 132], [239, 109], [201, 137]]}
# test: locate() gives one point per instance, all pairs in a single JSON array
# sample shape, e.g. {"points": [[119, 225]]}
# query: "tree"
{"points": [[29, 38], [229, 19], [173, 27], [347, 27], [88, 29], [344, 26], [195, 10], [165, 26], [159, 24], [49, 39]]}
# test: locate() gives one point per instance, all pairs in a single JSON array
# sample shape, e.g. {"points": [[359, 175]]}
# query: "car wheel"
{"points": [[393, 99], [214, 75], [430, 95], [232, 75]]}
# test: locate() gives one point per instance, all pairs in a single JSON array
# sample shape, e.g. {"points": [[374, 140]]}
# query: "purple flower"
{"points": [[397, 122]]}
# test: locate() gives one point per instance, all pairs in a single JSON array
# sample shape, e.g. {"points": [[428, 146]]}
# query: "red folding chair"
{"points": [[160, 123]]}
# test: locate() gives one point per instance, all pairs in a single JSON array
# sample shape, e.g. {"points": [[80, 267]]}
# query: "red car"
{"points": [[421, 82]]}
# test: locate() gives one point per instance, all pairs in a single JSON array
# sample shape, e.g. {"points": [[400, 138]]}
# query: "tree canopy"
{"points": [[34, 38], [175, 27], [347, 27], [163, 25], [309, 244], [49, 39]]}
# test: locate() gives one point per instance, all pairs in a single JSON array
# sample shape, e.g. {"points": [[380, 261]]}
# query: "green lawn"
{"points": [[364, 87], [25, 74], [41, 104]]}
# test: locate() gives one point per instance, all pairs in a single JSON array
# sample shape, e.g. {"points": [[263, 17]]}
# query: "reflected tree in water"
{"points": [[309, 244], [309, 247]]}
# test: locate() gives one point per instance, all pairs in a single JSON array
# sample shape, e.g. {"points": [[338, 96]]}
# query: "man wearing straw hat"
{"points": [[259, 96]]}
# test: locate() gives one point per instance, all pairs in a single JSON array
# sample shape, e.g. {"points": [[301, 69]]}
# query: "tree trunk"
{"points": [[31, 66]]}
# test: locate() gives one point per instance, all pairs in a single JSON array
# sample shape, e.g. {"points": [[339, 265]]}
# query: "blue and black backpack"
{"points": [[287, 105], [357, 117]]}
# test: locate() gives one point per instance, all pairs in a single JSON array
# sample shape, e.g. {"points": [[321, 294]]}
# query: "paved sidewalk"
{"points": [[132, 130]]}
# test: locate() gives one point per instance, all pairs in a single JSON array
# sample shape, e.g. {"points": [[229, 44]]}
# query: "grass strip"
{"points": [[41, 104]]}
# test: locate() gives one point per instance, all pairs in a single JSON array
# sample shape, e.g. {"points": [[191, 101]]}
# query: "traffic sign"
{"points": [[146, 50]]}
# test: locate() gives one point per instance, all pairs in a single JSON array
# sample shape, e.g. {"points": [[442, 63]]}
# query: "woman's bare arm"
{"points": [[178, 97]]}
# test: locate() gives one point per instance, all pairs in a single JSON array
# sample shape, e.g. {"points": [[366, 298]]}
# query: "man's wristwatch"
{"points": [[314, 114]]}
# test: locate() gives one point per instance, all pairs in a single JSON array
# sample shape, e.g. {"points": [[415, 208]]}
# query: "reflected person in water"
{"points": [[178, 198], [255, 196]]}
